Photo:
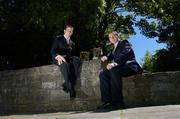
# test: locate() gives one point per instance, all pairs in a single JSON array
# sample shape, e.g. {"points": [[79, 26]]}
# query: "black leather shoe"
{"points": [[103, 108], [104, 105], [117, 106], [107, 107], [65, 89]]}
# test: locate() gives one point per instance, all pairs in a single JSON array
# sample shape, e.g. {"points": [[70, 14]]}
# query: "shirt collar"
{"points": [[115, 45], [66, 38]]}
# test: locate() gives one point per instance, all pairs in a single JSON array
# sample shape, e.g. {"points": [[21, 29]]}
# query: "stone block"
{"points": [[39, 89]]}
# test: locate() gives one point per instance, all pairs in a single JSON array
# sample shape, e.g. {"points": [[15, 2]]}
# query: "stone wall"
{"points": [[39, 89], [160, 88]]}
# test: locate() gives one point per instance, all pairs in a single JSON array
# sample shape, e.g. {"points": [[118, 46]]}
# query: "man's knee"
{"points": [[64, 66], [115, 72], [102, 76], [75, 58]]}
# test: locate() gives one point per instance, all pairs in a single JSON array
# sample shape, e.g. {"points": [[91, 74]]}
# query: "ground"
{"points": [[155, 112]]}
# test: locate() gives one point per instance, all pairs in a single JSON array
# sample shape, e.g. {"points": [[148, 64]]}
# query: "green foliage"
{"points": [[166, 13], [35, 22], [163, 60], [148, 61], [113, 20], [91, 19], [166, 60]]}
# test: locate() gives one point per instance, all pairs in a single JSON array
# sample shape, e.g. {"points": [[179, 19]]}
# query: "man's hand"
{"points": [[109, 66], [103, 58], [60, 59]]}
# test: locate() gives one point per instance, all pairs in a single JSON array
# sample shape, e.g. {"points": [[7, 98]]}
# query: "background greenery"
{"points": [[27, 28]]}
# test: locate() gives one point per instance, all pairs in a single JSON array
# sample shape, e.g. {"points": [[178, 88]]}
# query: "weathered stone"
{"points": [[39, 89], [97, 53], [84, 56], [151, 89]]}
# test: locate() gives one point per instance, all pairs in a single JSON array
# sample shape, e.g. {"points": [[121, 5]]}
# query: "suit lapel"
{"points": [[65, 42], [115, 49]]}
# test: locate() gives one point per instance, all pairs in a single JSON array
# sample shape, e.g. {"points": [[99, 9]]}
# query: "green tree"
{"points": [[147, 62], [165, 60], [30, 25], [166, 26], [112, 19]]}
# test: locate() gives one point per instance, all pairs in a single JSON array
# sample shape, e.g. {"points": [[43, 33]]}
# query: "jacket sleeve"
{"points": [[73, 46], [54, 47], [109, 56], [123, 53]]}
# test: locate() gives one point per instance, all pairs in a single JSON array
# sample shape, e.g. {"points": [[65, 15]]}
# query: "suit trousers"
{"points": [[70, 71], [111, 83]]}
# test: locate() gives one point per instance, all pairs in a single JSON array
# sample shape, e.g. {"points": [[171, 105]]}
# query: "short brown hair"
{"points": [[68, 26], [115, 33]]}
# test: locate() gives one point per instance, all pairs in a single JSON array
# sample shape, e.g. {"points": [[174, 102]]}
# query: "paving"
{"points": [[154, 112]]}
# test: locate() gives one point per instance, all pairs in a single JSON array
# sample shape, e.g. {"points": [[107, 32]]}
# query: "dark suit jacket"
{"points": [[60, 47], [124, 55]]}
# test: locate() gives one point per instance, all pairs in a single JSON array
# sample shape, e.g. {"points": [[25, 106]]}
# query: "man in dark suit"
{"points": [[121, 63], [62, 55]]}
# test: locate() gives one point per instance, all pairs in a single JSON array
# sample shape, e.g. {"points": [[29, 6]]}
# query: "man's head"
{"points": [[113, 37], [68, 31]]}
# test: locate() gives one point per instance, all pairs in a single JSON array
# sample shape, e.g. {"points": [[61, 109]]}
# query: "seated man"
{"points": [[61, 51], [121, 63]]}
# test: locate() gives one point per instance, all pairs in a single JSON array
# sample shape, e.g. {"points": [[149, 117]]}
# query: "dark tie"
{"points": [[68, 42], [113, 49]]}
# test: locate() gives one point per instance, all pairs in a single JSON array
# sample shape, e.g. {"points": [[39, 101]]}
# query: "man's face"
{"points": [[112, 38], [68, 31]]}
